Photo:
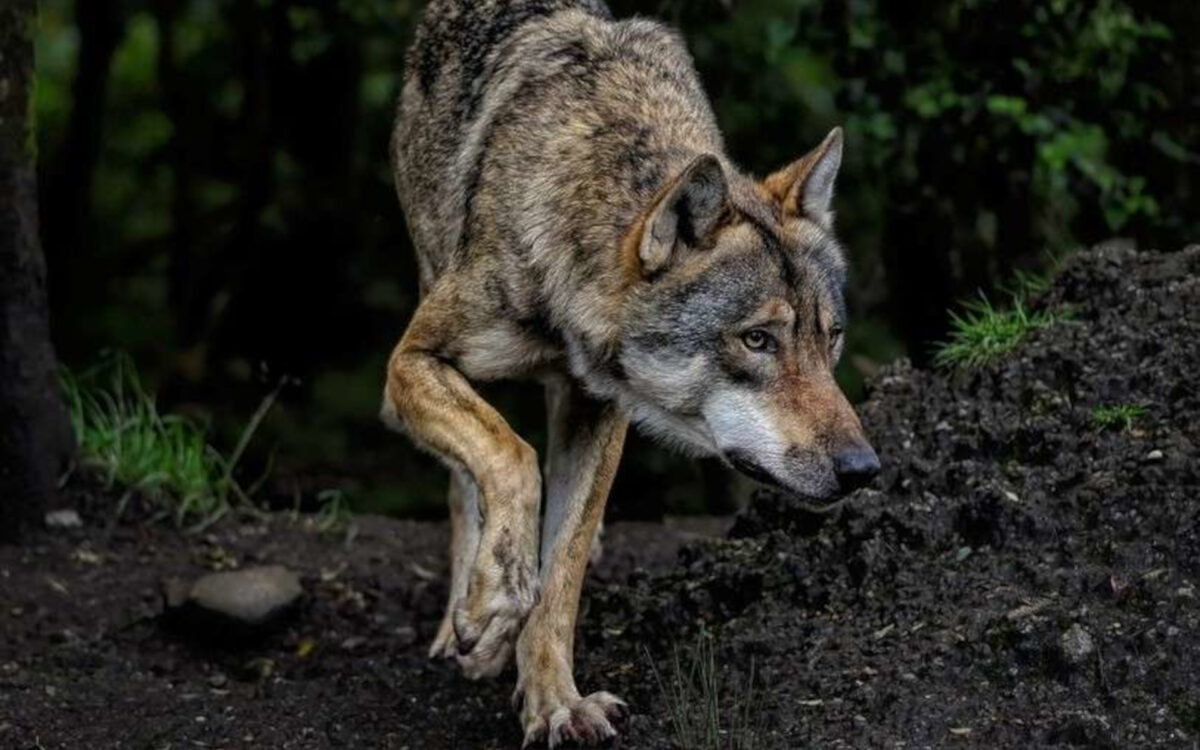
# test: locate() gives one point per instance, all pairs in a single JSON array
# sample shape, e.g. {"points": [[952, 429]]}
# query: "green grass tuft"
{"points": [[335, 513], [168, 458], [692, 693], [1117, 416], [983, 333]]}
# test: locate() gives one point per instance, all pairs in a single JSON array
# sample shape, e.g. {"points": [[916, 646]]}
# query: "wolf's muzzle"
{"points": [[747, 466]]}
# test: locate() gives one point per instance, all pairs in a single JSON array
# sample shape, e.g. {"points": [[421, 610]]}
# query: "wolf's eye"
{"points": [[835, 336], [758, 340]]}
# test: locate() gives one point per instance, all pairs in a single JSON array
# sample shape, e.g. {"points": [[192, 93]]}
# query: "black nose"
{"points": [[855, 467]]}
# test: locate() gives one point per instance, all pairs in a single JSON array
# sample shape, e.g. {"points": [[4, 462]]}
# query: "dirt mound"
{"points": [[1024, 575], [1020, 576]]}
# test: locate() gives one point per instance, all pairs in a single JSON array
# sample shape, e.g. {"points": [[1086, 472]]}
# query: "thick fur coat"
{"points": [[576, 220]]}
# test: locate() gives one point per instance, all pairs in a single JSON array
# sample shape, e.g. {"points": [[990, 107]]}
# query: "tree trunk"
{"points": [[35, 434]]}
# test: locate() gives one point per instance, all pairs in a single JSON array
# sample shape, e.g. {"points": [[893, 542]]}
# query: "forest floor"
{"points": [[1021, 575]]}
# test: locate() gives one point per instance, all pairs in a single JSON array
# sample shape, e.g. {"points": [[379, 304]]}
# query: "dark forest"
{"points": [[218, 204], [980, 527]]}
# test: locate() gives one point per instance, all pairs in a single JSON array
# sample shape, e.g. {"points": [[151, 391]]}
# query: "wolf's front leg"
{"points": [[586, 438], [431, 401], [463, 500]]}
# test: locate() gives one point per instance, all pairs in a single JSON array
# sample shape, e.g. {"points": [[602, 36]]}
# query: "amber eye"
{"points": [[835, 336], [758, 340]]}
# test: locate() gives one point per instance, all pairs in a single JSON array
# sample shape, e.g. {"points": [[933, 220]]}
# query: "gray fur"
{"points": [[576, 219]]}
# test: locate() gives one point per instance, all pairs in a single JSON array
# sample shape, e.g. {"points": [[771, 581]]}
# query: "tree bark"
{"points": [[35, 434]]}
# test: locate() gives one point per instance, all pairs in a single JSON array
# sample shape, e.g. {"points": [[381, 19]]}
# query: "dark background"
{"points": [[217, 200]]}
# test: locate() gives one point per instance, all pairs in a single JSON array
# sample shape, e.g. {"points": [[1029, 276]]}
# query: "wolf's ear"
{"points": [[805, 187], [686, 211]]}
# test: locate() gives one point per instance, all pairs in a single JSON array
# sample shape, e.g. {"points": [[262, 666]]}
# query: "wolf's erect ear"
{"points": [[805, 187], [686, 211]]}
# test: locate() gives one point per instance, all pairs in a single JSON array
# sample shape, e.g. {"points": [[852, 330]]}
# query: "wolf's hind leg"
{"points": [[585, 444], [429, 399], [464, 543]]}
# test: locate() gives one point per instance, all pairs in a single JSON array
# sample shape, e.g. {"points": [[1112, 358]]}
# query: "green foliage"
{"points": [[1080, 76], [701, 717], [1117, 416], [983, 333], [166, 457]]}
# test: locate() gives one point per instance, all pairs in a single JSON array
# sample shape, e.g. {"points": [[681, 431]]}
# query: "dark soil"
{"points": [[1018, 577]]}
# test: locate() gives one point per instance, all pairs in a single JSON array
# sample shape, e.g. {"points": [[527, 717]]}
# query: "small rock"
{"points": [[1154, 456], [251, 595], [405, 635], [217, 679], [65, 518], [258, 670], [1077, 645], [234, 604]]}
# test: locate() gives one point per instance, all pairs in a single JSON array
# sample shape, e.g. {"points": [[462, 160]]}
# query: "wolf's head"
{"points": [[737, 318]]}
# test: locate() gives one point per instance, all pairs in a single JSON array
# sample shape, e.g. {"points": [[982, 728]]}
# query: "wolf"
{"points": [[577, 220]]}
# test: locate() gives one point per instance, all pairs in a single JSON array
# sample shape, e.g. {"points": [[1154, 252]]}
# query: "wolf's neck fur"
{"points": [[527, 165], [619, 113]]}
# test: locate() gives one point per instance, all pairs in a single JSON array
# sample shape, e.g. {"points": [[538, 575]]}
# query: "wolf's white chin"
{"points": [[689, 436], [740, 423]]}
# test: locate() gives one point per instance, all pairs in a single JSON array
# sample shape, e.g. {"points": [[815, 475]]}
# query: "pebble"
{"points": [[1077, 645], [251, 595], [65, 518], [405, 635], [235, 602], [1154, 456]]}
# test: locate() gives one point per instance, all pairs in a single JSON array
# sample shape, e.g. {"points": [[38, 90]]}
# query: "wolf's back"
{"points": [[450, 66], [455, 39]]}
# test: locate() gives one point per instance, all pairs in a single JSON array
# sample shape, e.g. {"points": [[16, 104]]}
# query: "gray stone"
{"points": [[236, 602], [66, 518], [1077, 645]]}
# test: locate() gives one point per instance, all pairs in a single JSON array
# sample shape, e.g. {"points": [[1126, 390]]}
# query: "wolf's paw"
{"points": [[596, 553], [584, 721], [445, 644], [486, 625]]}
